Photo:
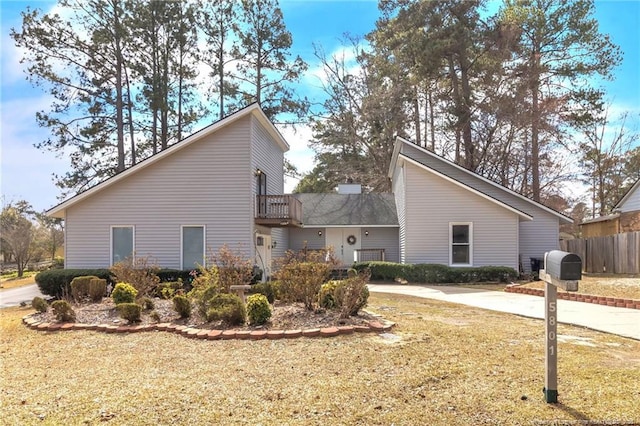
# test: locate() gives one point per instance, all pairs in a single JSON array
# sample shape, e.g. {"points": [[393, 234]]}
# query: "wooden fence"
{"points": [[614, 254]]}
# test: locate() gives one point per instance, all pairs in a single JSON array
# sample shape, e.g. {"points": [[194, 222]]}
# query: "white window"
{"points": [[192, 247], [461, 244], [122, 243]]}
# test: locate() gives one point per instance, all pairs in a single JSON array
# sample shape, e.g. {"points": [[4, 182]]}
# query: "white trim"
{"points": [[133, 242], [626, 196], [468, 188], [450, 248], [482, 178], [204, 243], [58, 211]]}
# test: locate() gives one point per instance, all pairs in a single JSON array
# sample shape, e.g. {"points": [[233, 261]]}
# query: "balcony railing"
{"points": [[368, 255], [278, 210]]}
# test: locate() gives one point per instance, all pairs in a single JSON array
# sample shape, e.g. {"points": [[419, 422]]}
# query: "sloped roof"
{"points": [[601, 219], [348, 209], [625, 197], [394, 160], [254, 109]]}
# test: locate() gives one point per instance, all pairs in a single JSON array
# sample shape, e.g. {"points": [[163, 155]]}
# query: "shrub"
{"points": [[301, 276], [140, 273], [80, 287], [266, 289], [129, 311], [57, 282], [124, 293], [352, 294], [63, 311], [258, 309], [97, 289], [436, 274], [326, 297], [154, 316], [182, 306], [147, 303], [39, 304], [57, 263], [226, 307], [167, 290], [229, 268]]}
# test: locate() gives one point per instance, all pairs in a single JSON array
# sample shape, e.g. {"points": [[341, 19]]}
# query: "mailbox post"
{"points": [[561, 269]]}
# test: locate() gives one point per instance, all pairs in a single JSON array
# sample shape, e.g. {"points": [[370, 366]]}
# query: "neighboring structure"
{"points": [[223, 184], [625, 217], [452, 216]]}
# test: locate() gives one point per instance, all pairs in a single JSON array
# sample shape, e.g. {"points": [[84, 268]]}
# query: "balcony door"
{"points": [[261, 189]]}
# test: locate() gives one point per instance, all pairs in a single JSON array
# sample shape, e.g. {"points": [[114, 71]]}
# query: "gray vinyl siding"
{"points": [[432, 203], [536, 236], [299, 237], [632, 203], [206, 183], [399, 193], [382, 238]]}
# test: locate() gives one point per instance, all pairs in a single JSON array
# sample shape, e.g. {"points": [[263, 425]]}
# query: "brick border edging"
{"points": [[199, 333], [578, 297]]}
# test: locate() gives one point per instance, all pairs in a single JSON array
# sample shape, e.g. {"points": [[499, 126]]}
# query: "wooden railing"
{"points": [[369, 255], [278, 210]]}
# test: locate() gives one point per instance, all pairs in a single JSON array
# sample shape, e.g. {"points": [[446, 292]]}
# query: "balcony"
{"points": [[278, 211]]}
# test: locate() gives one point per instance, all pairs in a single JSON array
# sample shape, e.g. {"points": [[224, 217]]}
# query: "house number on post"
{"points": [[561, 269]]}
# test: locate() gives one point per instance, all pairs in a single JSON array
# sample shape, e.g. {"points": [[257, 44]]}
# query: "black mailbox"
{"points": [[563, 266]]}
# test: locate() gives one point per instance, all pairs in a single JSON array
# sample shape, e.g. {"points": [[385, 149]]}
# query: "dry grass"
{"points": [[16, 282], [610, 286], [444, 364]]}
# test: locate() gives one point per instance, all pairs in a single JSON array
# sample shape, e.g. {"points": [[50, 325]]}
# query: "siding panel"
{"points": [[382, 238], [432, 203], [205, 183]]}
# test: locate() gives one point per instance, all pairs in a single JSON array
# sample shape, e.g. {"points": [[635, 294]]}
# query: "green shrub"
{"points": [[258, 309], [129, 311], [57, 282], [57, 263], [39, 304], [155, 316], [436, 274], [182, 306], [266, 289], [124, 293], [226, 307], [326, 297], [301, 276], [63, 311], [147, 303], [80, 287], [166, 290], [97, 289]]}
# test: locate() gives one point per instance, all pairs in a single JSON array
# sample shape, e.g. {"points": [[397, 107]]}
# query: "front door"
{"points": [[345, 241], [263, 254]]}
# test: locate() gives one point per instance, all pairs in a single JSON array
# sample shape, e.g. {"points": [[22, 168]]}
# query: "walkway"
{"points": [[621, 321], [14, 296]]}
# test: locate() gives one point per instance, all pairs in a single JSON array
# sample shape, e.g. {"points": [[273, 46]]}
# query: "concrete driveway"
{"points": [[621, 321]]}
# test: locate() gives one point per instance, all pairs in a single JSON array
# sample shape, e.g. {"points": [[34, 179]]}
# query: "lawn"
{"points": [[12, 281], [621, 286], [443, 364]]}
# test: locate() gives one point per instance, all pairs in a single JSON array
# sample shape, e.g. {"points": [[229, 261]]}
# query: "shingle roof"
{"points": [[348, 209]]}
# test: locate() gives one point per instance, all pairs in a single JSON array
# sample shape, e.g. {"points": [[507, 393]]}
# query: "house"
{"points": [[359, 227], [223, 184], [625, 216], [452, 216]]}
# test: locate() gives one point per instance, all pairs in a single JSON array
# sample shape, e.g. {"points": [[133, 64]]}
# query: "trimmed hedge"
{"points": [[57, 282], [436, 274]]}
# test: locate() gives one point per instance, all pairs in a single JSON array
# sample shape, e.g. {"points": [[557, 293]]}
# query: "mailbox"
{"points": [[563, 266]]}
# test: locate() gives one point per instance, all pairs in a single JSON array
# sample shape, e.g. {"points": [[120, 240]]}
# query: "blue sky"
{"points": [[26, 173]]}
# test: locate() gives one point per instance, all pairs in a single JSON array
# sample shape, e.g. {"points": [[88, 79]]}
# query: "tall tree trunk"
{"points": [[535, 123], [432, 119], [416, 116], [119, 83]]}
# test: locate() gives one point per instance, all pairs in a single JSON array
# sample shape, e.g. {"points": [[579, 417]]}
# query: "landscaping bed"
{"points": [[606, 286]]}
